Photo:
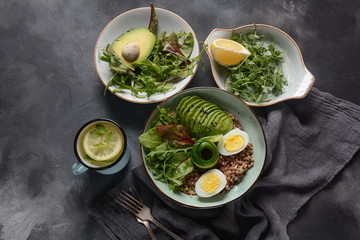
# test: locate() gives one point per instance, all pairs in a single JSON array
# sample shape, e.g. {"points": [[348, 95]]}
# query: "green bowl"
{"points": [[250, 124]]}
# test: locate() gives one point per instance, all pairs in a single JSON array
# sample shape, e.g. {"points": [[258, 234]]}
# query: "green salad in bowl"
{"points": [[203, 147], [271, 71], [146, 55]]}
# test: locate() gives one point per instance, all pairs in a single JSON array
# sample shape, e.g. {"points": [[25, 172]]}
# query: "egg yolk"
{"points": [[234, 143], [210, 182]]}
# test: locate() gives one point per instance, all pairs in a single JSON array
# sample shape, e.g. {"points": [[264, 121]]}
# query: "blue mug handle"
{"points": [[78, 168]]}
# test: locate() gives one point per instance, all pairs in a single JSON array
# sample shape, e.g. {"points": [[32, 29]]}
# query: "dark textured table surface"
{"points": [[49, 88]]}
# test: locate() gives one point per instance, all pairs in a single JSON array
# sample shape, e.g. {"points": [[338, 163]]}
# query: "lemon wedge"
{"points": [[103, 147], [227, 52]]}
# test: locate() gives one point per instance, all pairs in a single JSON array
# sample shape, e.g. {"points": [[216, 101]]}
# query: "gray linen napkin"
{"points": [[309, 142]]}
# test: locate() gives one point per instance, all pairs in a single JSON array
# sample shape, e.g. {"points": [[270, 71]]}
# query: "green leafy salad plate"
{"points": [[146, 55], [179, 125], [274, 72]]}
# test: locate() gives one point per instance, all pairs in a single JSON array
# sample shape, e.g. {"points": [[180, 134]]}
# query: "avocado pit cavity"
{"points": [[131, 52]]}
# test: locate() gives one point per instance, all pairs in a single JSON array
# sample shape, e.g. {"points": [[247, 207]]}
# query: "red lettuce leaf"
{"points": [[153, 23], [172, 45], [175, 134]]}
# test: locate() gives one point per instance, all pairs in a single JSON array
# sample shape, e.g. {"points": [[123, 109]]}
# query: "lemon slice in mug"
{"points": [[103, 145], [227, 52]]}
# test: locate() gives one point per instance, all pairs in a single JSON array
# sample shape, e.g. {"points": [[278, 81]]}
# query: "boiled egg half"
{"points": [[210, 183], [233, 142]]}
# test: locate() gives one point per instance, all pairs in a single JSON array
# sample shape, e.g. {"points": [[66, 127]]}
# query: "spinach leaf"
{"points": [[182, 164], [150, 139]]}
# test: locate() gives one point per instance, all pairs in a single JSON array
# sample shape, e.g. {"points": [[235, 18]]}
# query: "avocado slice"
{"points": [[209, 108], [202, 127], [224, 124], [185, 106], [210, 123], [182, 104], [125, 46], [180, 107], [218, 123], [198, 111], [190, 115], [201, 112]]}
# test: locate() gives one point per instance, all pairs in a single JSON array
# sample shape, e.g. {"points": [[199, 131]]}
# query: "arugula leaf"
{"points": [[260, 76], [166, 117], [170, 165]]}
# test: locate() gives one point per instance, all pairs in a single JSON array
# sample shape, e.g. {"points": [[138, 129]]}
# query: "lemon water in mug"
{"points": [[101, 145]]}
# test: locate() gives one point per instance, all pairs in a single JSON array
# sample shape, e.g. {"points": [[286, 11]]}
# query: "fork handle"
{"points": [[147, 225], [157, 223]]}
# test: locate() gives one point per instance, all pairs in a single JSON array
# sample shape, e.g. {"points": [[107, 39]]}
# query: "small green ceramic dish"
{"points": [[249, 123]]}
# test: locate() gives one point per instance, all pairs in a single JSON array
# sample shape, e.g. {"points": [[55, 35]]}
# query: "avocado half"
{"points": [[142, 36]]}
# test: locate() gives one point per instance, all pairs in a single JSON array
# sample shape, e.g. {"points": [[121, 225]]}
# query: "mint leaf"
{"points": [[100, 144], [108, 136], [99, 130]]}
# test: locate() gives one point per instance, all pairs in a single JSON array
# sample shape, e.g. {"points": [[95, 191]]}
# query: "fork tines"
{"points": [[129, 202]]}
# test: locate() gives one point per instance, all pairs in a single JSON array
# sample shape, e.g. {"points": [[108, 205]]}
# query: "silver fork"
{"points": [[146, 223], [141, 211]]}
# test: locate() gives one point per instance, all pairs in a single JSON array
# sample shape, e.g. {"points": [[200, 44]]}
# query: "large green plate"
{"points": [[249, 123]]}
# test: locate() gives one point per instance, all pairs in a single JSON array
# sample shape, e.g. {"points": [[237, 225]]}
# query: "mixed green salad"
{"points": [[180, 141], [260, 76], [146, 63]]}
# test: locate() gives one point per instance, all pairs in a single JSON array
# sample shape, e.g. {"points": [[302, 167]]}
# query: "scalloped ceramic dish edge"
{"points": [[300, 79]]}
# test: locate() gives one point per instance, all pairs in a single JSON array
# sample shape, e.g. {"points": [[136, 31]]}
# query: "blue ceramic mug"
{"points": [[84, 162]]}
